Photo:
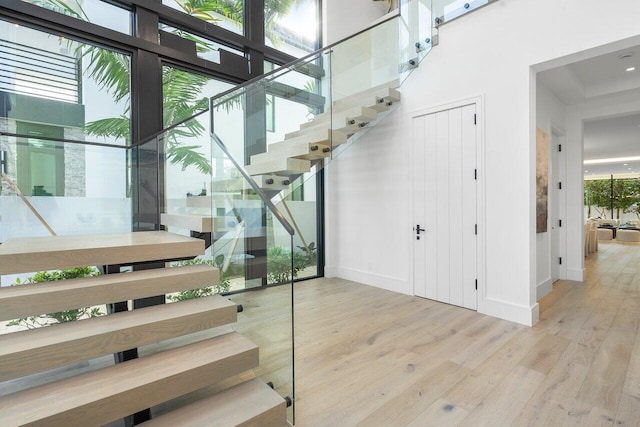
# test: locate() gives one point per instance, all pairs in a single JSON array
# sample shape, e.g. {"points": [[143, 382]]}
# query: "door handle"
{"points": [[418, 230]]}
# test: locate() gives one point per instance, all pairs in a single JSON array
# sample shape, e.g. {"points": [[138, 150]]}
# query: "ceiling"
{"points": [[597, 78]]}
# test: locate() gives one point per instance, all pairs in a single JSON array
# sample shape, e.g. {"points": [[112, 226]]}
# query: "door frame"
{"points": [[559, 134], [480, 193]]}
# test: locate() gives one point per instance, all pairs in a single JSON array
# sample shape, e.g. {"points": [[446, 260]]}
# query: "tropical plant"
{"points": [[597, 194], [622, 194], [222, 287], [61, 316], [207, 9], [310, 251], [630, 197], [182, 91], [282, 264]]}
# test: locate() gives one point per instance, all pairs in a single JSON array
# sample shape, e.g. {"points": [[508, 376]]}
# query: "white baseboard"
{"points": [[366, 277], [577, 274], [504, 310], [508, 311], [543, 288]]}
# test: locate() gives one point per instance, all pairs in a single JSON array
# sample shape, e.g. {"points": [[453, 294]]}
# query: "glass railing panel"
{"points": [[367, 60], [60, 188], [256, 252], [447, 10], [299, 205], [215, 202], [416, 33], [262, 124], [63, 188]]}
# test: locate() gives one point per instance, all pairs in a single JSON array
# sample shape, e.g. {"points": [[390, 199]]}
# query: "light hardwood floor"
{"points": [[369, 357]]}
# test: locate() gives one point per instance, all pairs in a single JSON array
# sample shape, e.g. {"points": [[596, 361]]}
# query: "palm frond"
{"points": [[188, 156], [109, 69], [115, 127]]}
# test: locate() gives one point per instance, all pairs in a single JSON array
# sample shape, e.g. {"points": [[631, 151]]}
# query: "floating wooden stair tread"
{"points": [[338, 119], [39, 298], [24, 353], [322, 136], [214, 200], [102, 396], [282, 166], [306, 151], [252, 403], [199, 223], [26, 255], [272, 182], [376, 98]]}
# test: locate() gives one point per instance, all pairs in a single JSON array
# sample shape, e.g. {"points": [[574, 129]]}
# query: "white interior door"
{"points": [[445, 213]]}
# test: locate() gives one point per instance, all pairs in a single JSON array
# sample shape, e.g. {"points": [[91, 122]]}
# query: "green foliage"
{"points": [[221, 288], [109, 69], [116, 127], [625, 196], [274, 9], [61, 316], [182, 91], [204, 9], [279, 268], [310, 252], [597, 194]]}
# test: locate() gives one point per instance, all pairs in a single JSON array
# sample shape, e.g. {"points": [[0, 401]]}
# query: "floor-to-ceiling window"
{"points": [[85, 82]]}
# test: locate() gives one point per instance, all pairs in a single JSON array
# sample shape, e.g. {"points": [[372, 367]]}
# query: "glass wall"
{"points": [[292, 26], [106, 14], [65, 125], [77, 91], [204, 48], [612, 198], [228, 14]]}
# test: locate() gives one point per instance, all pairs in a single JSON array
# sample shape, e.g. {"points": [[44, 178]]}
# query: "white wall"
{"points": [[550, 115], [488, 53], [341, 18]]}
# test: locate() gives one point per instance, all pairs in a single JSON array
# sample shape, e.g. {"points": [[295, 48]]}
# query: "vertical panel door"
{"points": [[445, 199]]}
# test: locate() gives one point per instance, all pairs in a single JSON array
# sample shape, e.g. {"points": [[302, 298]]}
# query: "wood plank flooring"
{"points": [[369, 357]]}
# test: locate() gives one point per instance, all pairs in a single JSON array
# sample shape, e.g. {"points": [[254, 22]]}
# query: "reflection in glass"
{"points": [[227, 14], [74, 187], [205, 48], [97, 12], [82, 89], [292, 26]]}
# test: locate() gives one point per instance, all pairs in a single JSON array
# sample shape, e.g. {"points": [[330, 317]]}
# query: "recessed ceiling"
{"points": [[612, 137], [597, 78]]}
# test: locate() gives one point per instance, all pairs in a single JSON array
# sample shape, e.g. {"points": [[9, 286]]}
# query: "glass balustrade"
{"points": [[286, 126], [447, 10], [205, 195], [58, 187]]}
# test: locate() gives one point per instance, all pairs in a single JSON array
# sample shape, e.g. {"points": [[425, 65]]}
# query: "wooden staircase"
{"points": [[318, 139], [285, 161], [104, 395]]}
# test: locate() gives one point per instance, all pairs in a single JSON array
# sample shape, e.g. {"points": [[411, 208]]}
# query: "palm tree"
{"points": [[182, 91], [207, 9]]}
